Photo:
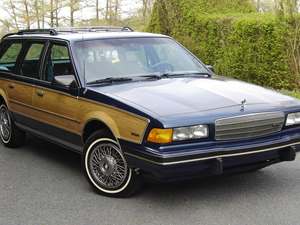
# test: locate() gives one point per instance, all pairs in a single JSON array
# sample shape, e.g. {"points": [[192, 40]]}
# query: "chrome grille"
{"points": [[249, 126]]}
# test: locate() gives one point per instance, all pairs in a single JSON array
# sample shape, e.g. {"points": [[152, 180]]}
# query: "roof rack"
{"points": [[32, 31], [56, 31], [94, 29], [7, 35], [37, 31]]}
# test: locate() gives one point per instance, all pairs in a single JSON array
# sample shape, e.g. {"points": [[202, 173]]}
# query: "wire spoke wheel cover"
{"points": [[107, 167], [5, 124]]}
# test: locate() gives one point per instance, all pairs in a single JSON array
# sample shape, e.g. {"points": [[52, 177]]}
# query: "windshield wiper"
{"points": [[188, 73], [174, 74], [155, 75], [110, 80]]}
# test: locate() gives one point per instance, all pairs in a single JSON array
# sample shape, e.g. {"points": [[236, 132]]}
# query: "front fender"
{"points": [[103, 118]]}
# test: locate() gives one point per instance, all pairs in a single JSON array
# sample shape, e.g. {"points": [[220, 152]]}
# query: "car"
{"points": [[138, 106]]}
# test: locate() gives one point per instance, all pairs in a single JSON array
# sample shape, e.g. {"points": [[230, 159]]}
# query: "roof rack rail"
{"points": [[37, 31], [7, 35], [55, 31], [93, 29]]}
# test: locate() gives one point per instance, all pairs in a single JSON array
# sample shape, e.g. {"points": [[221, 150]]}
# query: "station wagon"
{"points": [[138, 106]]}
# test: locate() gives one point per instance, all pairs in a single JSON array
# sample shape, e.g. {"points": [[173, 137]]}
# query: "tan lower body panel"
{"points": [[62, 110]]}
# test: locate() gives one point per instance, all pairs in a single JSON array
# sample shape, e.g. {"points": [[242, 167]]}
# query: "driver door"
{"points": [[57, 106]]}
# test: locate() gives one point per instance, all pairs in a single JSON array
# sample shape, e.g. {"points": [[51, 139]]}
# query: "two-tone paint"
{"points": [[132, 109]]}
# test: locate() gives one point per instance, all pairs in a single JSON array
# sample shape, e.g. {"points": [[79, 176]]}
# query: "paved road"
{"points": [[42, 184]]}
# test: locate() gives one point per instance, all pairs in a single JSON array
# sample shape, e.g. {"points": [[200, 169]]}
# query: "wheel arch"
{"points": [[95, 124], [3, 97]]}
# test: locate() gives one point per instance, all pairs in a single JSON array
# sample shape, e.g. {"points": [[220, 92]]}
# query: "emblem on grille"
{"points": [[243, 104]]}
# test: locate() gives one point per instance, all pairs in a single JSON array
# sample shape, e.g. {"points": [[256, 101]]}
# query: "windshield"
{"points": [[130, 57]]}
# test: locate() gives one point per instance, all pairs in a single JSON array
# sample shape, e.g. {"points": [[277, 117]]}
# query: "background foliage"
{"points": [[255, 47]]}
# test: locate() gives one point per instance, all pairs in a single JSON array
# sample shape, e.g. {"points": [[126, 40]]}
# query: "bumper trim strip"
{"points": [[211, 157]]}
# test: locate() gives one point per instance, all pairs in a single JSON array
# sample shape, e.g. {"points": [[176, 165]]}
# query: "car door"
{"points": [[57, 105], [19, 86]]}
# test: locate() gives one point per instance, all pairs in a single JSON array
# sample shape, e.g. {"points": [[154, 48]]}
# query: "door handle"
{"points": [[11, 86], [40, 93]]}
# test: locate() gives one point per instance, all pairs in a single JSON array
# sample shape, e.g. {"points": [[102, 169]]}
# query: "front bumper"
{"points": [[201, 159]]}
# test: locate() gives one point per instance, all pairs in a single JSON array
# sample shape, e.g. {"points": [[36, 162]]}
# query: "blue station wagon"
{"points": [[138, 105]]}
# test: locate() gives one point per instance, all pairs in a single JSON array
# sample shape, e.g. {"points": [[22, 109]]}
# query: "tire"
{"points": [[11, 136], [106, 168]]}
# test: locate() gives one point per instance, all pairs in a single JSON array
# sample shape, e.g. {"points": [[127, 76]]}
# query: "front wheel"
{"points": [[106, 167]]}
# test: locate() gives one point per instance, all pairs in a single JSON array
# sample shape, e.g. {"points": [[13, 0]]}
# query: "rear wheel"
{"points": [[106, 167], [11, 136]]}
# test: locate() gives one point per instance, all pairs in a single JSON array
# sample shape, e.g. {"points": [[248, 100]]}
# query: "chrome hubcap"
{"points": [[5, 125], [108, 166]]}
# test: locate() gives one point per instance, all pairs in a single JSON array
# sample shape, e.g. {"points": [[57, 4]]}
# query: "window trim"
{"points": [[46, 55], [26, 46], [4, 47]]}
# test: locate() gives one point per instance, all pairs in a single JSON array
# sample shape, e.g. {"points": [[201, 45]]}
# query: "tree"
{"points": [[26, 15], [287, 7], [97, 11], [74, 6], [12, 21], [36, 10], [108, 3], [146, 8]]}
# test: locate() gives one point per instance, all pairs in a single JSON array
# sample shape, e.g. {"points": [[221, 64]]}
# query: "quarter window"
{"points": [[10, 56], [30, 66]]}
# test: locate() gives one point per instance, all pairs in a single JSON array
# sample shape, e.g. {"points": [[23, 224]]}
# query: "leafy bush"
{"points": [[251, 47]]}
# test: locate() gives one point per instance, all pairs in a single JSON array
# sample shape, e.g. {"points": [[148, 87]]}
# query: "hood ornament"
{"points": [[243, 104]]}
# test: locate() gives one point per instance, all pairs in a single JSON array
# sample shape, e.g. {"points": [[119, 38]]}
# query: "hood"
{"points": [[167, 97]]}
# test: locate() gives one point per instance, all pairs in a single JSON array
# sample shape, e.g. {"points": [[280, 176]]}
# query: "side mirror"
{"points": [[211, 68], [67, 81]]}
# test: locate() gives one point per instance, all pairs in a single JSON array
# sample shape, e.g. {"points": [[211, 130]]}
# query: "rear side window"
{"points": [[30, 66], [9, 58]]}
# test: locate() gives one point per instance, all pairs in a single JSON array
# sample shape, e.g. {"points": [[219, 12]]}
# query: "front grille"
{"points": [[249, 126]]}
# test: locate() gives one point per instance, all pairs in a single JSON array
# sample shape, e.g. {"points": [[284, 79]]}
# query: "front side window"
{"points": [[9, 58], [129, 57], [58, 62], [30, 66]]}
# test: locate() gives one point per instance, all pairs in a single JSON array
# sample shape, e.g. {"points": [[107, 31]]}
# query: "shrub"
{"points": [[251, 47]]}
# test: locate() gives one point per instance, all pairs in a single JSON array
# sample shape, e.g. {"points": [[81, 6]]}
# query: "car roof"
{"points": [[80, 34]]}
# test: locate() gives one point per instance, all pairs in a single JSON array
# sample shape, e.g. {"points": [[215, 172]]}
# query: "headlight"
{"points": [[164, 136], [187, 133], [293, 119]]}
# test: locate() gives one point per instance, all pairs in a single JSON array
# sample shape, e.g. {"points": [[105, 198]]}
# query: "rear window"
{"points": [[9, 58]]}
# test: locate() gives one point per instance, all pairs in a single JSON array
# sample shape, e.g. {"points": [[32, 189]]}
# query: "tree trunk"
{"points": [[145, 9], [258, 5], [97, 10], [72, 14], [15, 17], [43, 13], [51, 14], [116, 10], [56, 13], [37, 13], [107, 9], [27, 17]]}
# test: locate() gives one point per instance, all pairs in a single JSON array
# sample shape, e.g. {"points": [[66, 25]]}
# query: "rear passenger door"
{"points": [[20, 77]]}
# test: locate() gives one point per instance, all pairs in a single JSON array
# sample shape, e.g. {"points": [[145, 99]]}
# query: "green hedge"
{"points": [[251, 47]]}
